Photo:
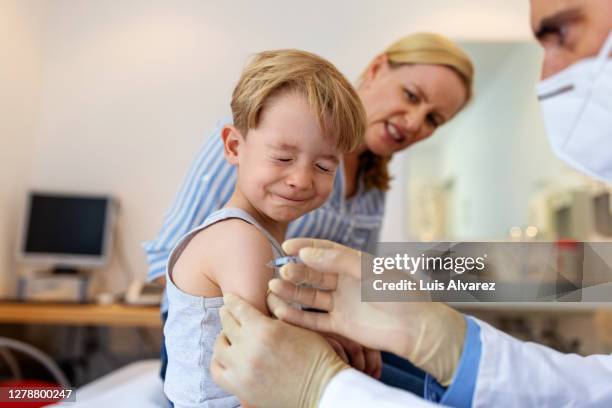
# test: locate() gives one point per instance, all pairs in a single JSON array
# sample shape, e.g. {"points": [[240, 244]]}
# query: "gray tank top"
{"points": [[193, 326]]}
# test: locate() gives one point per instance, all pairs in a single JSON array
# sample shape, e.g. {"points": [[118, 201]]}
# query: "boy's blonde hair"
{"points": [[330, 96]]}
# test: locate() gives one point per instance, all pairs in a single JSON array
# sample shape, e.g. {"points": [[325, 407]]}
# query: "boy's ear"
{"points": [[376, 67], [232, 141]]}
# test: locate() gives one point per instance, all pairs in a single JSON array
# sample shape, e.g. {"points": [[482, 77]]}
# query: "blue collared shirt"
{"points": [[461, 391]]}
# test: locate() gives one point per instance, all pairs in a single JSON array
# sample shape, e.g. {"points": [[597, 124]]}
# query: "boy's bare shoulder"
{"points": [[231, 247], [241, 252], [218, 253], [232, 236], [227, 257]]}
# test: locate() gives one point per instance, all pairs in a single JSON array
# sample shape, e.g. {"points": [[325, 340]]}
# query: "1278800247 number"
{"points": [[36, 394]]}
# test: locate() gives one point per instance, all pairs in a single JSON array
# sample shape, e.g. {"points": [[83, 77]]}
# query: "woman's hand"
{"points": [[430, 335]]}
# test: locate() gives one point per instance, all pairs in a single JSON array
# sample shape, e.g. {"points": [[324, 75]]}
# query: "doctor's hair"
{"points": [[414, 49], [330, 96]]}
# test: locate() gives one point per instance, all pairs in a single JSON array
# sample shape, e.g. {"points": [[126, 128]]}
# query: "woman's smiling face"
{"points": [[407, 103]]}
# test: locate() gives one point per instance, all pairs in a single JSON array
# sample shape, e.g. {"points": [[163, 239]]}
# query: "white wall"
{"points": [[496, 151], [500, 153], [130, 89], [19, 109]]}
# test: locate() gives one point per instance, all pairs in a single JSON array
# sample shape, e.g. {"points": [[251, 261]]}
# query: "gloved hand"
{"points": [[270, 363], [430, 335], [359, 357]]}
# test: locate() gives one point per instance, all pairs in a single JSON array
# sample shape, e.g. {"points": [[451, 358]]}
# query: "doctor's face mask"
{"points": [[577, 108]]}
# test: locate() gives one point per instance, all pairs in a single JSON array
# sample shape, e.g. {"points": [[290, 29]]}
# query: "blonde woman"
{"points": [[411, 89]]}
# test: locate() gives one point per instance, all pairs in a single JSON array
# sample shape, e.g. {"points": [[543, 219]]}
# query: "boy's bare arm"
{"points": [[240, 262], [227, 257]]}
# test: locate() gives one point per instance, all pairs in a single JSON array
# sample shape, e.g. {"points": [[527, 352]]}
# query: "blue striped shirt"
{"points": [[354, 222]]}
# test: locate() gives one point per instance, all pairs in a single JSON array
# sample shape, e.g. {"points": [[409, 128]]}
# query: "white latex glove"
{"points": [[429, 334], [269, 363]]}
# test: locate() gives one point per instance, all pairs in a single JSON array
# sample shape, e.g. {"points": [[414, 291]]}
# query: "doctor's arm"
{"points": [[498, 370], [432, 336], [491, 366], [517, 373], [270, 363]]}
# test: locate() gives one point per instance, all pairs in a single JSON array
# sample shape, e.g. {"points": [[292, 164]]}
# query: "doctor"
{"points": [[271, 363]]}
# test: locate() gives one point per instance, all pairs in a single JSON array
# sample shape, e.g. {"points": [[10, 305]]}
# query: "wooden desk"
{"points": [[115, 315]]}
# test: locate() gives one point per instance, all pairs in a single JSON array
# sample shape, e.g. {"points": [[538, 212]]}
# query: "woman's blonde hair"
{"points": [[330, 95], [419, 48]]}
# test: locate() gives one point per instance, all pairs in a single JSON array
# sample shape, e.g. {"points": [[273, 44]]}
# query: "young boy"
{"points": [[294, 116]]}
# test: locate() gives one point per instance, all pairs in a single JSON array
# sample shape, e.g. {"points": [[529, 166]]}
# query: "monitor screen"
{"points": [[67, 225]]}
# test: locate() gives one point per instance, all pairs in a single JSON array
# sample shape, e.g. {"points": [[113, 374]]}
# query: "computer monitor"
{"points": [[67, 231]]}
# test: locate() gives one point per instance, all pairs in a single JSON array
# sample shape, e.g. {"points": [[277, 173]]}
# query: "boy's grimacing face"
{"points": [[286, 165]]}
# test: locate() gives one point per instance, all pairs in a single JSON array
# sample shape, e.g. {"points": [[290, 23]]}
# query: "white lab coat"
{"points": [[352, 388], [512, 373]]}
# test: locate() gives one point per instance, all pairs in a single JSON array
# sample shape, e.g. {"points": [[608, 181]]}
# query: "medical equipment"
{"points": [[579, 213], [278, 262]]}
